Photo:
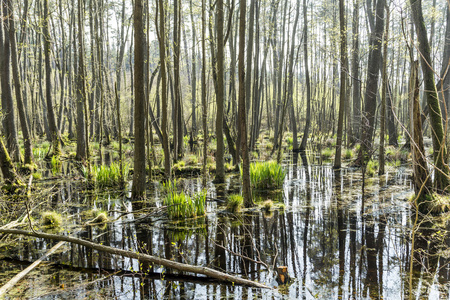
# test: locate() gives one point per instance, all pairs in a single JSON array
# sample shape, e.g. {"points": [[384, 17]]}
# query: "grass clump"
{"points": [[371, 168], [327, 153], [108, 175], [37, 176], [181, 205], [51, 219], [234, 203], [267, 206], [266, 175], [56, 164], [348, 154]]}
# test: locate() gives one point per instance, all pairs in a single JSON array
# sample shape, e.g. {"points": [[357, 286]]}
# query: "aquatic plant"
{"points": [[371, 168], [327, 153], [267, 205], [51, 219], [181, 205], [108, 175], [37, 175], [348, 154], [234, 203], [266, 175], [56, 164]]}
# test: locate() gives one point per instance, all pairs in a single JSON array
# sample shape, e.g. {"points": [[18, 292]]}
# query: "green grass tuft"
{"points": [[234, 203], [181, 205], [108, 175], [266, 175]]}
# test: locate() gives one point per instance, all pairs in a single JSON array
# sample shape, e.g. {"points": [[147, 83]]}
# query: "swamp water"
{"points": [[335, 244]]}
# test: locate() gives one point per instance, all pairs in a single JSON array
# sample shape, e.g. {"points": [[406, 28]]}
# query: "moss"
{"points": [[51, 219]]}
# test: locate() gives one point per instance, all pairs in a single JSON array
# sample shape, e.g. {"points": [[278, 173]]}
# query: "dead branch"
{"points": [[10, 284], [142, 257]]}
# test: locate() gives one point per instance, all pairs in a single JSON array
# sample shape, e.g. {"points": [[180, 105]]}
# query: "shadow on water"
{"points": [[333, 246]]}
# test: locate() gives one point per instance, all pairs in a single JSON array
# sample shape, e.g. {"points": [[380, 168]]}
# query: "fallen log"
{"points": [[142, 257], [10, 284]]}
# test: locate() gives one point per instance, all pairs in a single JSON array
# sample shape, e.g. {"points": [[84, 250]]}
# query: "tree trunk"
{"points": [[162, 54], [220, 168], [139, 178], [383, 97], [355, 74], [246, 188], [81, 91], [48, 84], [439, 144], [307, 79], [343, 88], [8, 113], [18, 87], [373, 67], [194, 75], [422, 182]]}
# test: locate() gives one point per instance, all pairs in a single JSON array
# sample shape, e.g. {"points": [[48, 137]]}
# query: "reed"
{"points": [[266, 175], [181, 205]]}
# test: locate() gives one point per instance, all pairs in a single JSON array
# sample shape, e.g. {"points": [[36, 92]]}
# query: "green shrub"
{"points": [[180, 205], [234, 203], [266, 175]]}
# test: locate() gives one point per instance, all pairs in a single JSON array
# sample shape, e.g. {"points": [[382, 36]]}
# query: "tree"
{"points": [[54, 132], [220, 167], [246, 188], [18, 87], [307, 79], [373, 67], [161, 32], [139, 178], [8, 111], [343, 88], [441, 180], [81, 89]]}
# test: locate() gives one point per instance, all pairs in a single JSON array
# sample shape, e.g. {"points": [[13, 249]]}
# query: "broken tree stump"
{"points": [[283, 276]]}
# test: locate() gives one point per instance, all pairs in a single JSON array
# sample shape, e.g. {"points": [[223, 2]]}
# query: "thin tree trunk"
{"points": [[246, 188], [220, 168], [81, 91], [343, 101], [307, 79], [383, 98], [18, 87]]}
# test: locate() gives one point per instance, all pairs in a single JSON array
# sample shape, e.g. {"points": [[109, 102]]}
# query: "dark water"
{"points": [[336, 243]]}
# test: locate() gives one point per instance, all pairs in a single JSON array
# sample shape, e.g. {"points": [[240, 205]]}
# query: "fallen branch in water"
{"points": [[10, 284], [142, 257]]}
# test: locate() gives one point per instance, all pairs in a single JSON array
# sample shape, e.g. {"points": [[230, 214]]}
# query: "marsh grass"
{"points": [[107, 175], [266, 175], [371, 168], [235, 203], [181, 205], [56, 164], [327, 153]]}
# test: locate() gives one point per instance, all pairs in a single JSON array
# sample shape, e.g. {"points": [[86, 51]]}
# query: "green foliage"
{"points": [[51, 219], [348, 154], [41, 150], [266, 175], [327, 153], [107, 175], [192, 159], [56, 164], [178, 166], [235, 203], [371, 168], [181, 205], [37, 176]]}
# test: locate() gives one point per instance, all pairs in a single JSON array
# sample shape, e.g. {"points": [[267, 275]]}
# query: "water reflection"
{"points": [[333, 246]]}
